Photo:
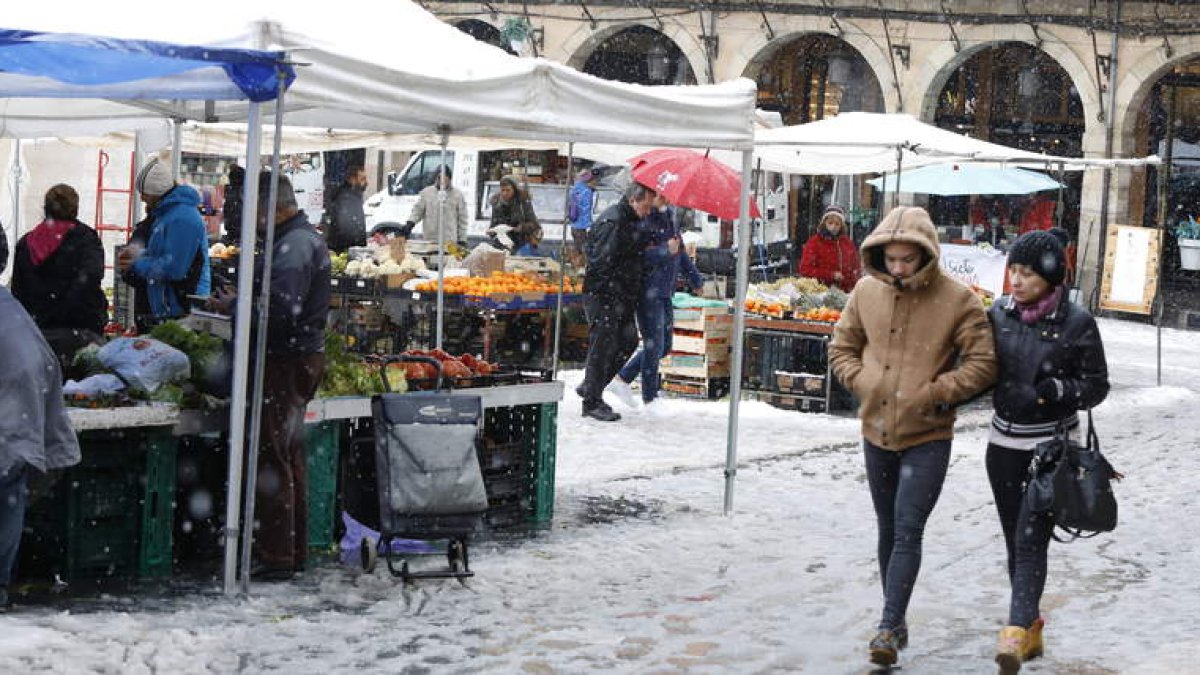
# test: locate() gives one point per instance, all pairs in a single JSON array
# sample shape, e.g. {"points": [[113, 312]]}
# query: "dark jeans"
{"points": [[290, 381], [612, 337], [905, 487], [1026, 535], [656, 322]]}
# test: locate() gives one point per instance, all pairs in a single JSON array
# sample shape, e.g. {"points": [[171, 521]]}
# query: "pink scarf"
{"points": [[1031, 314], [45, 239]]}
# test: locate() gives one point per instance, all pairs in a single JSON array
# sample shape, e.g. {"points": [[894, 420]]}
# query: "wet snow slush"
{"points": [[641, 573]]}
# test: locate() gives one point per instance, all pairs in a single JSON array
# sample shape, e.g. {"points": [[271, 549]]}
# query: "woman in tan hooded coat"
{"points": [[912, 344]]}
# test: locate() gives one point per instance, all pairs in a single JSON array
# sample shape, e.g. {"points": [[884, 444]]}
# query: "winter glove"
{"points": [[406, 231], [1050, 390]]}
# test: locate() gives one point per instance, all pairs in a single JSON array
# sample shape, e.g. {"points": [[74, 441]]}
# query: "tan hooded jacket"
{"points": [[911, 350]]}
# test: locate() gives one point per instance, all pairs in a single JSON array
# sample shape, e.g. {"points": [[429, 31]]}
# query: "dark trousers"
{"points": [[656, 323], [289, 383], [1026, 535], [12, 518], [612, 337], [905, 487]]}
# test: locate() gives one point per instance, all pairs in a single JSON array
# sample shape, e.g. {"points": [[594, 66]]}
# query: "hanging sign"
{"points": [[1130, 269], [975, 266]]}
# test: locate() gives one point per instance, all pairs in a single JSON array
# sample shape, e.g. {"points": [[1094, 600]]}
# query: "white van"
{"points": [[389, 209]]}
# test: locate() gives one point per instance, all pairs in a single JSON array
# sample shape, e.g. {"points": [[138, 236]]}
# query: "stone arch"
{"points": [[942, 61], [757, 50], [1139, 80], [583, 41]]}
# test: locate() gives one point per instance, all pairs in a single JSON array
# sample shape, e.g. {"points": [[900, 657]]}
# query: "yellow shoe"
{"points": [[1033, 641], [1011, 649]]}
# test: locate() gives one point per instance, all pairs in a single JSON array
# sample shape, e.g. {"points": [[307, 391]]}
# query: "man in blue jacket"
{"points": [[662, 260], [174, 262], [583, 194]]}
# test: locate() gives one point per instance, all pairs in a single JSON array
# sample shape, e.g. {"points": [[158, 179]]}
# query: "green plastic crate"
{"points": [[517, 457], [111, 515], [323, 442]]}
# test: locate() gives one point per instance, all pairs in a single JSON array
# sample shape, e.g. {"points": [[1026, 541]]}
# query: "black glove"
{"points": [[462, 245], [407, 229], [1050, 390]]}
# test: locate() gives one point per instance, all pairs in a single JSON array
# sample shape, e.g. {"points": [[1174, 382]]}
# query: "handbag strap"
{"points": [[1093, 440]]}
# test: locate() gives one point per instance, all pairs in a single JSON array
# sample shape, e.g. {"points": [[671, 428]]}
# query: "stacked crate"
{"points": [[698, 365]]}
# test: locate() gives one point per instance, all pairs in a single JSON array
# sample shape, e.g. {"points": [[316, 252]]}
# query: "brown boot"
{"points": [[1010, 650], [1033, 641]]}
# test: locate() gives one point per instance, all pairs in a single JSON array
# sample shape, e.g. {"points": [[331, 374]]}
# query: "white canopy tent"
{"points": [[401, 71]]}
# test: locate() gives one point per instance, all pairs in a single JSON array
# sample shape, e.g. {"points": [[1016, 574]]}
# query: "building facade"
{"points": [[1089, 78]]}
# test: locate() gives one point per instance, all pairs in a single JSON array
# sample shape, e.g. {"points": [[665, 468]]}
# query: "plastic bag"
{"points": [[145, 363], [95, 385], [356, 532]]}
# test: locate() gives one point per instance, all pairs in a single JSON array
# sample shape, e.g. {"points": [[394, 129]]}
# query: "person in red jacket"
{"points": [[830, 256]]}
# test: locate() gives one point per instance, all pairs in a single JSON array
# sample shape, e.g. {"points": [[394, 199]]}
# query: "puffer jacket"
{"points": [[913, 349], [614, 255], [825, 254], [1064, 345], [175, 261], [347, 222], [300, 271]]}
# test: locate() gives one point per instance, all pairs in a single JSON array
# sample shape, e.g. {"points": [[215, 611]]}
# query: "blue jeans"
{"points": [[12, 518], [655, 320], [905, 487]]}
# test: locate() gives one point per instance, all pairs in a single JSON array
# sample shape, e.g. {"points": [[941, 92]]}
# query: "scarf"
{"points": [[45, 239], [1031, 314]]}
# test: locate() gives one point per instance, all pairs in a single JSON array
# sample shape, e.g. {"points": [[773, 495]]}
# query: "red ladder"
{"points": [[100, 224]]}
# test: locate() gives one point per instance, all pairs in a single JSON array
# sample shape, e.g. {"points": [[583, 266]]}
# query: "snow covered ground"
{"points": [[642, 573]]}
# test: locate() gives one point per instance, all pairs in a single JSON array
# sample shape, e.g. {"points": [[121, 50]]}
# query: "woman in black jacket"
{"points": [[1051, 363], [512, 207], [57, 270]]}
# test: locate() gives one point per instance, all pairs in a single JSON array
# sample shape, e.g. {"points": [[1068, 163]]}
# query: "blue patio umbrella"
{"points": [[967, 179]]}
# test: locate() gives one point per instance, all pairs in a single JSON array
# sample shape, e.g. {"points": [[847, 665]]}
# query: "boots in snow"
{"points": [[1033, 641], [1011, 649], [886, 644]]}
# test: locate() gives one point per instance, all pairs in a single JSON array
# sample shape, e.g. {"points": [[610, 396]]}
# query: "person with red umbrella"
{"points": [[830, 256], [612, 285]]}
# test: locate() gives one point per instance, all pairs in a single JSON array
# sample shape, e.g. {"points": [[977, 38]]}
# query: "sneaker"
{"points": [[653, 407], [624, 393], [601, 412], [1010, 650], [884, 647]]}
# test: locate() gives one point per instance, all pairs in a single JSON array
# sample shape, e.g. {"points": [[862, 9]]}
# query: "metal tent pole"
{"points": [[1164, 180], [562, 261], [739, 327], [899, 168], [1059, 208], [260, 354], [441, 290], [241, 350], [176, 147]]}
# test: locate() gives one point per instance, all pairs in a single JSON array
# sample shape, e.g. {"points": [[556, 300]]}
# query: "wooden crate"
{"points": [[716, 321], [793, 402], [696, 342], [800, 383], [694, 365], [696, 387]]}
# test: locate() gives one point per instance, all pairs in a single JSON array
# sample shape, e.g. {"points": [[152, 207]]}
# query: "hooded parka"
{"points": [[911, 349]]}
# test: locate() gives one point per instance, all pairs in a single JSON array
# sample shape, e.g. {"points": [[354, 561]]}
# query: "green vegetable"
{"points": [[202, 350], [87, 361]]}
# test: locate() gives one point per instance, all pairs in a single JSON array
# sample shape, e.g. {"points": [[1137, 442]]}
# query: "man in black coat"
{"points": [[346, 224], [611, 287], [294, 367], [3, 249]]}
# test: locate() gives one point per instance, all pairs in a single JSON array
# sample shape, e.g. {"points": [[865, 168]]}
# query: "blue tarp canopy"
{"points": [[64, 65]]}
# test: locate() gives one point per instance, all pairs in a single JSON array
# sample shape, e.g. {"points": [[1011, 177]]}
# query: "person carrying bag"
{"points": [[1051, 365], [1073, 485]]}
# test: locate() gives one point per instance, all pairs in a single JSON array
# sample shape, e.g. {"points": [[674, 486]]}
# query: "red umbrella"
{"points": [[688, 178]]}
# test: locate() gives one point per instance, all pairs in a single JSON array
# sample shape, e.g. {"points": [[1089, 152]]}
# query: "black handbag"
{"points": [[1073, 484]]}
